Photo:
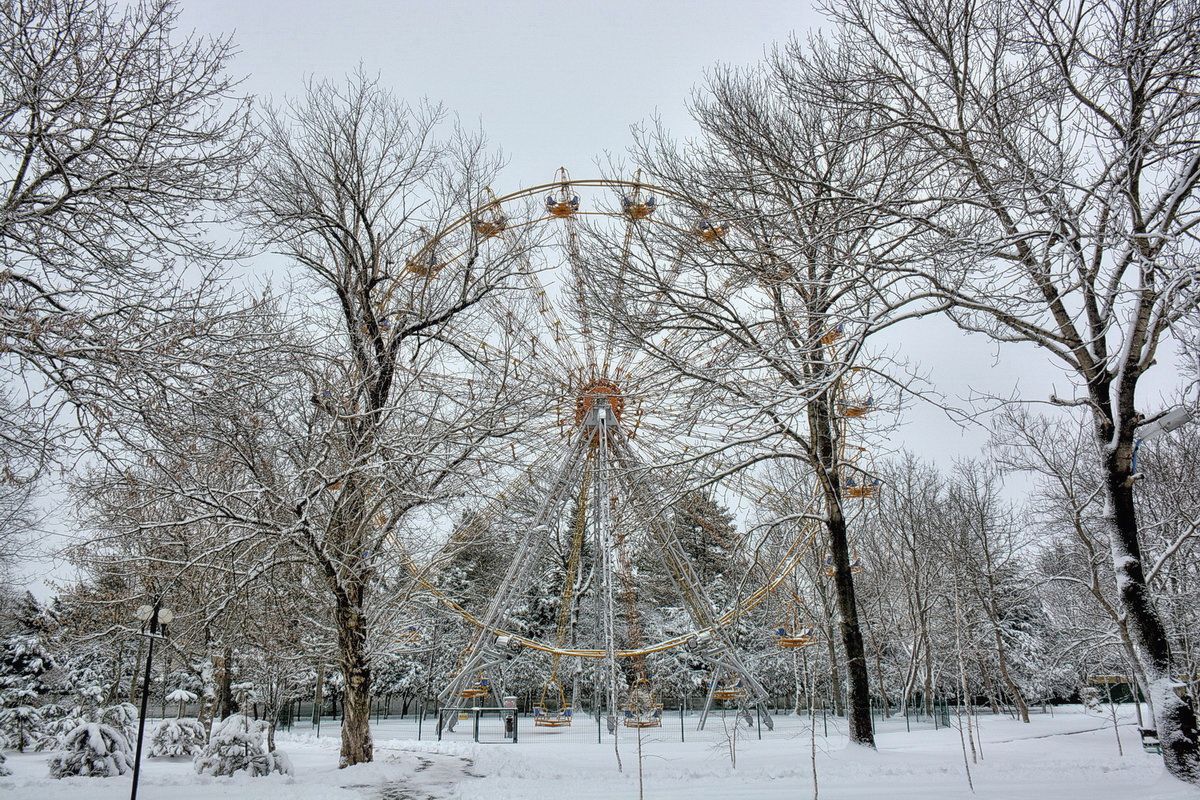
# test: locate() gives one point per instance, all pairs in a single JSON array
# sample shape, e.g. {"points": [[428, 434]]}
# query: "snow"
{"points": [[1071, 754]]}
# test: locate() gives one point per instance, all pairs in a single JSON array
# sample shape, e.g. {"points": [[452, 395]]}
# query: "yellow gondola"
{"points": [[559, 717], [635, 208], [425, 263], [802, 637], [856, 565], [726, 694], [479, 690], [490, 221], [862, 490], [565, 203], [710, 231], [833, 334], [562, 208], [854, 409]]}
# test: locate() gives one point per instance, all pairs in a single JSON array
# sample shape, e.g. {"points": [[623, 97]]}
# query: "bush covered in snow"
{"points": [[237, 745], [20, 726], [24, 662], [93, 749], [182, 697], [4, 770], [57, 722], [123, 716], [177, 737]]}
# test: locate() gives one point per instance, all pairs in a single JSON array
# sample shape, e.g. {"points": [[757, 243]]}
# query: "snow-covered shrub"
{"points": [[123, 716], [86, 678], [182, 697], [24, 662], [177, 737], [20, 726], [237, 746], [4, 770], [93, 749], [57, 723]]}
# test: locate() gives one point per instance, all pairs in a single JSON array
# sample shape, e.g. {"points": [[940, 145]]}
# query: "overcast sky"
{"points": [[560, 83]]}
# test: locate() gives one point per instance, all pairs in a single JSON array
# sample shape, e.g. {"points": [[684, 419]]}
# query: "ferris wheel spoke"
{"points": [[520, 572]]}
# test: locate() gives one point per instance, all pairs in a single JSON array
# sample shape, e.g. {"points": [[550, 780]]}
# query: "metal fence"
{"points": [[678, 723]]}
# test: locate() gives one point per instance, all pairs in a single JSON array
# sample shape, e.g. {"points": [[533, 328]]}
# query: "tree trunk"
{"points": [[1010, 685], [835, 674], [136, 672], [357, 746], [166, 667], [318, 694], [114, 691], [225, 683], [1175, 719], [858, 697]]}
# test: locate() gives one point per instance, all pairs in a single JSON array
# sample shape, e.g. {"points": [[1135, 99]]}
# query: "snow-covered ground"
{"points": [[1069, 755]]}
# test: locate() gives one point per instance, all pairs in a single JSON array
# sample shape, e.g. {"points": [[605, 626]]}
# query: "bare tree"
{"points": [[402, 396], [991, 548], [1067, 137], [120, 140], [787, 272]]}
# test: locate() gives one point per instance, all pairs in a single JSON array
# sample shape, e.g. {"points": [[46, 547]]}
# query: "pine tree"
{"points": [[238, 746], [24, 661], [93, 749]]}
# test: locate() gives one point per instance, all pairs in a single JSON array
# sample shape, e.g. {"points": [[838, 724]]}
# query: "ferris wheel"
{"points": [[593, 478]]}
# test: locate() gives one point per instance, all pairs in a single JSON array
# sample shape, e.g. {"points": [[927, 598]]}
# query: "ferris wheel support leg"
{"points": [[481, 654], [485, 663], [721, 650], [708, 701]]}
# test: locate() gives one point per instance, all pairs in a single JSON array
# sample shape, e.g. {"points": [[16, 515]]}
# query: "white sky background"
{"points": [[559, 84]]}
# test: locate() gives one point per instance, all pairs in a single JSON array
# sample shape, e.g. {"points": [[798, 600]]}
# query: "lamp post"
{"points": [[1177, 417], [154, 621]]}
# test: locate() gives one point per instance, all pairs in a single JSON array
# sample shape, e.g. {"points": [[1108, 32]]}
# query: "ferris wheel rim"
{"points": [[788, 563], [801, 543], [498, 201]]}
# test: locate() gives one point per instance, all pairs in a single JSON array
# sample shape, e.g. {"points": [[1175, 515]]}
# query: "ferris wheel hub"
{"points": [[596, 394]]}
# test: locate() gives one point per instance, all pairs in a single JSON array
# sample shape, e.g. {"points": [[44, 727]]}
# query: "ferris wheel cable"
{"points": [[768, 586], [533, 541], [581, 310], [570, 576], [720, 648], [530, 360], [558, 338], [789, 562], [618, 293], [656, 308], [546, 308], [480, 650], [481, 519]]}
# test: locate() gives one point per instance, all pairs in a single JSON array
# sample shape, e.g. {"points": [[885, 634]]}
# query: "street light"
{"points": [[154, 619], [1171, 420]]}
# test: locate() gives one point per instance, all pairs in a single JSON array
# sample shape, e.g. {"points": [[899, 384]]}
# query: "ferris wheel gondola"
{"points": [[490, 220]]}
